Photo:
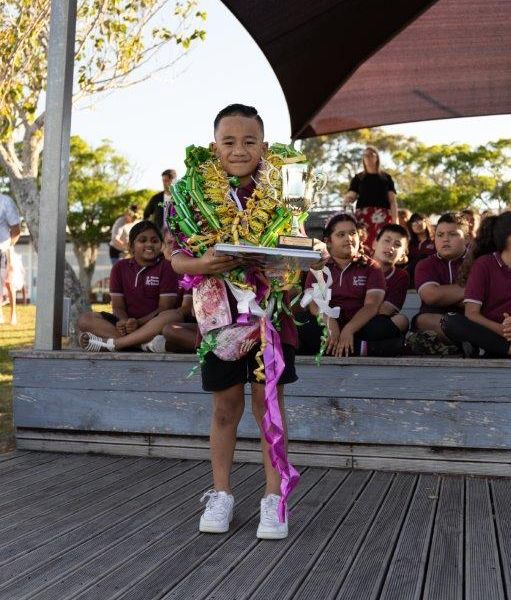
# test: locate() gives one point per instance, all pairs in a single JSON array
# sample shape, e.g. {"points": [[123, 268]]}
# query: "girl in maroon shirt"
{"points": [[487, 322], [422, 243], [358, 288]]}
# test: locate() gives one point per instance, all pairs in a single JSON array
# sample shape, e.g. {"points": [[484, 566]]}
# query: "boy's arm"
{"points": [[346, 342], [208, 264], [441, 295], [388, 309], [119, 307]]}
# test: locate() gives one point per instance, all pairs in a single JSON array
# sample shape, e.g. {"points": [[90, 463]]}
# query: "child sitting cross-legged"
{"points": [[358, 289], [436, 283], [144, 291], [486, 324]]}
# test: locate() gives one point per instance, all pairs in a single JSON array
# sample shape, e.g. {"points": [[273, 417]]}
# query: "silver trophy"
{"points": [[300, 187]]}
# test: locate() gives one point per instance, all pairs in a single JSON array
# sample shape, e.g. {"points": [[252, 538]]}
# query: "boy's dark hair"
{"points": [[395, 228], [238, 110], [457, 219], [169, 173], [338, 218], [142, 226]]}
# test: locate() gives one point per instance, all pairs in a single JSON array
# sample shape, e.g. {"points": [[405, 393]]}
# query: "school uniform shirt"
{"points": [[141, 287], [419, 250], [489, 285], [436, 270], [351, 284], [397, 282]]}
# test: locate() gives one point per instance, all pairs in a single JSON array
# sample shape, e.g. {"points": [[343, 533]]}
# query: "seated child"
{"points": [[358, 288], [144, 291], [486, 323], [239, 146], [390, 250], [436, 283], [422, 242]]}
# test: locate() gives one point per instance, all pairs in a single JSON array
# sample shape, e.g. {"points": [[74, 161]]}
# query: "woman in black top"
{"points": [[375, 193]]}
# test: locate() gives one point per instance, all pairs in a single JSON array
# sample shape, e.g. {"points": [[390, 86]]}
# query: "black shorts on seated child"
{"points": [[218, 374]]}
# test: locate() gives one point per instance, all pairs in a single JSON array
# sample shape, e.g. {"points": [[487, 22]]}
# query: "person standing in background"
{"points": [[10, 230], [119, 243], [154, 210], [375, 194]]}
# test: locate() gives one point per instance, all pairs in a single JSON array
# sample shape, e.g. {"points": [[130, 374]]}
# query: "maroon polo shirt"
{"points": [[418, 250], [489, 285], [351, 284], [397, 281], [141, 287], [436, 270]]}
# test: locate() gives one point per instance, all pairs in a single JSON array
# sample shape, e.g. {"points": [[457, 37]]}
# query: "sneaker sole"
{"points": [[271, 535], [212, 529]]}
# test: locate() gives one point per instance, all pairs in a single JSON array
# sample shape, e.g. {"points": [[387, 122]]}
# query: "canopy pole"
{"points": [[55, 173]]}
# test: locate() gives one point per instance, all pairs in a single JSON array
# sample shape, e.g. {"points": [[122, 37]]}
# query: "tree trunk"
{"points": [[86, 255], [26, 194]]}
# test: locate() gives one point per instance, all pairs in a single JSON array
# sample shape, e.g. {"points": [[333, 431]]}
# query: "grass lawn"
{"points": [[20, 336]]}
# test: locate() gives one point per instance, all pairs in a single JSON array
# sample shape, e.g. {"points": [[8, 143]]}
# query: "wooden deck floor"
{"points": [[104, 527]]}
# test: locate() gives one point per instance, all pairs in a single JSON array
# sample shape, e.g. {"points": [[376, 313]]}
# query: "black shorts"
{"points": [[218, 374], [109, 317], [431, 310]]}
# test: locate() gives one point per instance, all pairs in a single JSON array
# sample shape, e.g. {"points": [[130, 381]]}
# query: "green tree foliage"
{"points": [[98, 194], [429, 179]]}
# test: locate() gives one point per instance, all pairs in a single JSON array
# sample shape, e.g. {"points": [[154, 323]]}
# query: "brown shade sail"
{"points": [[347, 64]]}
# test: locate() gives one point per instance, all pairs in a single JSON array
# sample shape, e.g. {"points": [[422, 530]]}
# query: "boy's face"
{"points": [[239, 145], [390, 248], [343, 242], [449, 240]]}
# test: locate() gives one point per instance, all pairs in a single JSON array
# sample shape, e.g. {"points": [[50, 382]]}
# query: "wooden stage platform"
{"points": [[105, 528]]}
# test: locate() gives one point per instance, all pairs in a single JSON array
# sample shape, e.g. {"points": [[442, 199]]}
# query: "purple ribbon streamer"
{"points": [[188, 281], [272, 423]]}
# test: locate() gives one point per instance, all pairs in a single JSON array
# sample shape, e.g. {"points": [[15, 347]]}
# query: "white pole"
{"points": [[53, 208]]}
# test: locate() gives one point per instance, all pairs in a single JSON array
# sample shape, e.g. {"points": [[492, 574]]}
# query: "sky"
{"points": [[152, 123]]}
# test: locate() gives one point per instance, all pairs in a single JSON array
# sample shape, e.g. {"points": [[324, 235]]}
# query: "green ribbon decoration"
{"points": [[208, 344], [324, 340]]}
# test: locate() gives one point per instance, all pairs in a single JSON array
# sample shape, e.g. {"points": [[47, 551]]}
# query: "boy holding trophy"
{"points": [[229, 195]]}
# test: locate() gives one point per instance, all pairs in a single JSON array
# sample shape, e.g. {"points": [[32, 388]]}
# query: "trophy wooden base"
{"points": [[295, 241]]}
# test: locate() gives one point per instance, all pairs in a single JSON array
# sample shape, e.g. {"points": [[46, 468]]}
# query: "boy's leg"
{"points": [[147, 331], [460, 329], [401, 322], [258, 409], [180, 337], [96, 324], [228, 406], [431, 322]]}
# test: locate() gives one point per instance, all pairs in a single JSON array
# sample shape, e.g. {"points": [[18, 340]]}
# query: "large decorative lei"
{"points": [[204, 213]]}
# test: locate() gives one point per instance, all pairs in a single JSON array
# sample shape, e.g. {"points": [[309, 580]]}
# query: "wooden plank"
{"points": [[275, 571], [405, 577], [32, 354], [137, 555], [483, 577], [348, 420], [58, 471], [367, 573], [353, 381], [210, 550], [338, 554], [42, 490], [17, 472], [64, 562], [444, 577], [500, 494], [17, 530], [10, 455]]}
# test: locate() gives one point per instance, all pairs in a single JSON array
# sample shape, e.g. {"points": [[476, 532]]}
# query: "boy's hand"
{"points": [[214, 264], [346, 342], [131, 325], [506, 327], [121, 326]]}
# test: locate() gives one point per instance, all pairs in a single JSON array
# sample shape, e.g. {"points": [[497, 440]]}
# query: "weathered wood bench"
{"points": [[419, 414]]}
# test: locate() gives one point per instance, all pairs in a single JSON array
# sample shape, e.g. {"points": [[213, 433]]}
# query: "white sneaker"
{"points": [[218, 512], [270, 528], [93, 343], [157, 344]]}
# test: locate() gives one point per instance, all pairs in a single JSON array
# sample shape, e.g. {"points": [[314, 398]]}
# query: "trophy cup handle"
{"points": [[320, 181], [269, 173]]}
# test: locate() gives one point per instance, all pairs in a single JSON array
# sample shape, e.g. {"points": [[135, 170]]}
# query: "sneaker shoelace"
{"points": [[269, 509], [217, 504], [93, 343]]}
